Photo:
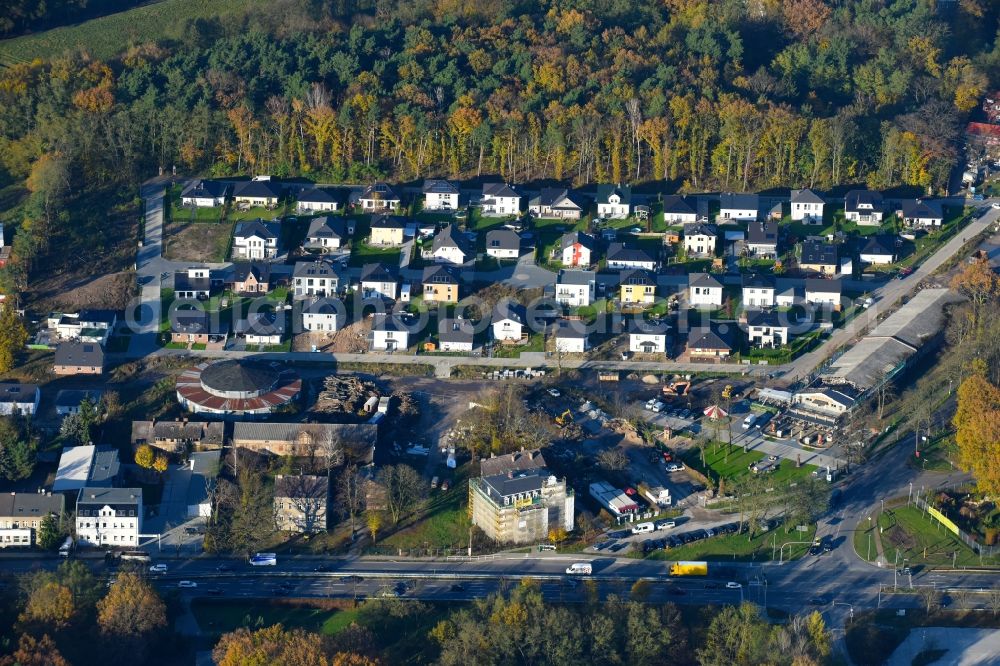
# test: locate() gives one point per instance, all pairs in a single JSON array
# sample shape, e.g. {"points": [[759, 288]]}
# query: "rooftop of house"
{"points": [[605, 191], [678, 205], [555, 197], [703, 280], [700, 229], [637, 277], [315, 269], [576, 277], [440, 274], [259, 270], [920, 209], [380, 192], [510, 462], [388, 222], [451, 237], [758, 281], [878, 244], [762, 233], [97, 497], [18, 393], [498, 190], [321, 306], [21, 506], [77, 353], [577, 237], [571, 329], [821, 286], [318, 195], [507, 309], [768, 318], [620, 252], [856, 200], [327, 227], [301, 486], [714, 336], [456, 330], [205, 189], [439, 187], [739, 201], [816, 252], [258, 228], [258, 189], [806, 196], [503, 239], [378, 272]]}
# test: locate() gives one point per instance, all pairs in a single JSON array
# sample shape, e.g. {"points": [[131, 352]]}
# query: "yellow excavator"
{"points": [[564, 419]]}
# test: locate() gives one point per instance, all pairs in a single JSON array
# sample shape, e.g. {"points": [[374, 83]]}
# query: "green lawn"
{"points": [[736, 464], [536, 343], [218, 616], [363, 253], [108, 36], [738, 547], [446, 525], [267, 214], [923, 540]]}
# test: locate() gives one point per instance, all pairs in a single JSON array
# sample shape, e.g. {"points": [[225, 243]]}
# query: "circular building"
{"points": [[237, 388]]}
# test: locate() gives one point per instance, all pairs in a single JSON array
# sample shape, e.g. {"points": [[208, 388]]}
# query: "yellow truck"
{"points": [[689, 569]]}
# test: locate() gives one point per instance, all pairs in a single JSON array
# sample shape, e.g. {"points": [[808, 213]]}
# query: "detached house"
{"points": [[301, 502], [819, 292], [322, 315], [456, 335], [195, 327], [863, 207], [819, 257], [699, 239], [637, 287], [577, 249], [261, 191], [621, 256], [500, 199], [451, 246], [766, 328], [317, 200], [878, 250], [503, 244], [679, 210], [555, 202], [251, 277], [379, 281], [311, 279], [919, 213], [19, 399], [255, 239], [441, 284], [109, 516], [758, 291], [739, 206], [379, 196], [262, 328], [646, 337], [576, 289], [205, 193], [807, 206], [440, 195], [79, 358], [762, 239], [508, 321], [326, 233], [711, 343], [572, 336], [193, 283], [389, 333], [387, 230], [704, 290], [614, 202]]}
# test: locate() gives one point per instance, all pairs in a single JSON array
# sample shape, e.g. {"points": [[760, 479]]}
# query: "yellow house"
{"points": [[441, 284], [387, 230], [638, 287]]}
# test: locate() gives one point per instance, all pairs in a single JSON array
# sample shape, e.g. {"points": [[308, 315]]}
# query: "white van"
{"points": [[580, 569], [749, 421], [642, 528]]}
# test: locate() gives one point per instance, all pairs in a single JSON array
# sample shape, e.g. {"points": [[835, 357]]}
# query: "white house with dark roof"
{"points": [[195, 282], [322, 315], [819, 257], [456, 335], [311, 279], [572, 336], [262, 328], [577, 249], [710, 343], [255, 239], [739, 206], [863, 207], [621, 256], [205, 193], [18, 399], [555, 202], [819, 291], [758, 291], [440, 195], [503, 244], [451, 246], [646, 337], [317, 200], [326, 233], [614, 202], [509, 320], [379, 196], [389, 333], [879, 250], [700, 239], [109, 516], [704, 290], [766, 328], [679, 210], [920, 213], [762, 239], [379, 281], [261, 191], [576, 288], [807, 206], [500, 199]]}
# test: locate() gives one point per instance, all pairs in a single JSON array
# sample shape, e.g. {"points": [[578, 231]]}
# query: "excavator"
{"points": [[676, 389], [564, 419]]}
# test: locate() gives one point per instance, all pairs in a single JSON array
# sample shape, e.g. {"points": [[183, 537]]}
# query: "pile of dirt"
{"points": [[352, 338], [344, 393]]}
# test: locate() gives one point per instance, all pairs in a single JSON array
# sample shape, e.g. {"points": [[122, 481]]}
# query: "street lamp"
{"points": [[869, 558]]}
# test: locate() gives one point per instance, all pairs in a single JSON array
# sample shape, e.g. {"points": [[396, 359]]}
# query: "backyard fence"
{"points": [[967, 539]]}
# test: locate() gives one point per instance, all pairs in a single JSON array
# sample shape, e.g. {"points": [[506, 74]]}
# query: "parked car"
{"points": [[554, 392], [158, 568], [733, 585], [187, 584], [665, 524], [675, 467]]}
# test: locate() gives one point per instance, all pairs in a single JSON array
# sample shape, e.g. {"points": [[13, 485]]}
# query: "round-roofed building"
{"points": [[237, 388]]}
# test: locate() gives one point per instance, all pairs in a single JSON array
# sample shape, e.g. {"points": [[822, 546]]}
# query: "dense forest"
{"points": [[690, 94]]}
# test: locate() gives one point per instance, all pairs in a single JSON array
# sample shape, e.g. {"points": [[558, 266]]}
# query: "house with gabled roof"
{"points": [[819, 291], [500, 199], [576, 288], [577, 249], [621, 256], [262, 328], [679, 210], [256, 239], [196, 327], [323, 315], [79, 358], [205, 193], [378, 197], [878, 249], [451, 246], [614, 202], [762, 239], [389, 333], [704, 290], [325, 234], [503, 244], [261, 191], [714, 342], [572, 336], [700, 239], [739, 206], [387, 230], [311, 279], [456, 335], [766, 328], [556, 202], [863, 207], [920, 213], [758, 291], [440, 195], [807, 206], [637, 286], [379, 281], [317, 200], [509, 320], [819, 257], [250, 277], [441, 284]]}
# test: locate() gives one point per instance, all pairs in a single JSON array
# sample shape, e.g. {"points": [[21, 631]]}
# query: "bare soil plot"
{"points": [[197, 241]]}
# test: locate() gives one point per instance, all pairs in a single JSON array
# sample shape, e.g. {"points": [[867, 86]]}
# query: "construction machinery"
{"points": [[564, 419], [676, 389]]}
